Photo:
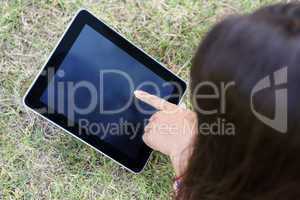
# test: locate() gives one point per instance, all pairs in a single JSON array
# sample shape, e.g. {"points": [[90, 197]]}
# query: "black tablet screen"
{"points": [[93, 87]]}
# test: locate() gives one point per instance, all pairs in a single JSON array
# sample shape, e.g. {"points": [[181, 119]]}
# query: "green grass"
{"points": [[39, 161]]}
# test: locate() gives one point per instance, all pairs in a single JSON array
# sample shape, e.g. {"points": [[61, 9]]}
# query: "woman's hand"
{"points": [[171, 130]]}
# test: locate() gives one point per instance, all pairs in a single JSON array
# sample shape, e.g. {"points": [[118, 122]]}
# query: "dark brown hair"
{"points": [[257, 162]]}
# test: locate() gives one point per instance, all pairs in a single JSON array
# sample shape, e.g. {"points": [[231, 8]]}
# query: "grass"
{"points": [[39, 161]]}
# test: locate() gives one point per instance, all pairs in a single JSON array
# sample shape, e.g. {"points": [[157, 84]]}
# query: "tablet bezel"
{"points": [[39, 85]]}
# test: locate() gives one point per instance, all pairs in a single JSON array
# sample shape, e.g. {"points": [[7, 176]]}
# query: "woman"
{"points": [[257, 158]]}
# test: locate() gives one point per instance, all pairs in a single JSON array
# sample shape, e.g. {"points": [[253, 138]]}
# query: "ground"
{"points": [[39, 161]]}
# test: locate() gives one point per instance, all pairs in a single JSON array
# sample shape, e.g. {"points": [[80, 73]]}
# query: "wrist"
{"points": [[180, 161]]}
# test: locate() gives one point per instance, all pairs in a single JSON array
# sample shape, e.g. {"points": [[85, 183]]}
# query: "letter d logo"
{"points": [[279, 122]]}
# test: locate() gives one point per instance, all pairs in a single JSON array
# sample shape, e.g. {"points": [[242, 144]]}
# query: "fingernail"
{"points": [[139, 93], [146, 129]]}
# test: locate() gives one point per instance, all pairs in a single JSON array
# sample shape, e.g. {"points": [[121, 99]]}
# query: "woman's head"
{"points": [[247, 66]]}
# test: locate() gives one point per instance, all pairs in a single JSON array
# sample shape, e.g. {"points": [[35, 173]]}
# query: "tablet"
{"points": [[86, 88]]}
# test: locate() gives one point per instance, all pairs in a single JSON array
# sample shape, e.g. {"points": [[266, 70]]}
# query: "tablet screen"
{"points": [[93, 87]]}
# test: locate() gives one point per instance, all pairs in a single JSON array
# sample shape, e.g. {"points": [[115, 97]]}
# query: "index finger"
{"points": [[156, 102]]}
